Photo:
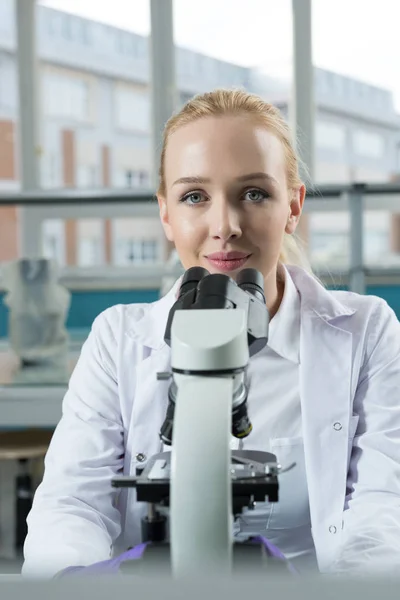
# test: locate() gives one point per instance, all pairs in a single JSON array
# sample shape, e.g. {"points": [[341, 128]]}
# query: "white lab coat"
{"points": [[113, 410]]}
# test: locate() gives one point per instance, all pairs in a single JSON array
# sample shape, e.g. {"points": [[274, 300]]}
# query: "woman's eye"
{"points": [[255, 195], [193, 198]]}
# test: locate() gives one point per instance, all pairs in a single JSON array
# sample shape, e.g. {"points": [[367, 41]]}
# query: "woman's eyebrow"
{"points": [[247, 177]]}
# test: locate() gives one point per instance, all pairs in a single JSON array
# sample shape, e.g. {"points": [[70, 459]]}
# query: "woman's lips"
{"points": [[229, 261]]}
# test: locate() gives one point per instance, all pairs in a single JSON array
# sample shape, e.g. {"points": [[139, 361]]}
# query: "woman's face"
{"points": [[227, 203]]}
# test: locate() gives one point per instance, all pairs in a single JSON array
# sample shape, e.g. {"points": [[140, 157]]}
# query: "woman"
{"points": [[324, 392]]}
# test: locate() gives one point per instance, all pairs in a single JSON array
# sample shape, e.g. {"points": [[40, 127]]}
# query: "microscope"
{"points": [[214, 327]]}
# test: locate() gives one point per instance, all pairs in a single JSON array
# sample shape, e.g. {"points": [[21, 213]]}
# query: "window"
{"points": [[376, 246], [86, 33], [339, 85], [78, 30], [142, 46], [51, 245], [334, 247], [329, 82], [53, 24], [6, 15], [138, 46], [89, 252], [53, 240], [50, 171], [329, 247], [329, 135], [86, 176], [134, 179], [8, 84], [368, 144], [66, 96], [124, 43], [398, 157], [320, 81], [381, 99], [67, 27], [90, 236], [149, 250], [119, 42], [132, 109], [134, 251], [353, 89], [144, 179]]}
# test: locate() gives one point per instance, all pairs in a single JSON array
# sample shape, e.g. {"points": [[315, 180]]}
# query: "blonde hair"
{"points": [[222, 102]]}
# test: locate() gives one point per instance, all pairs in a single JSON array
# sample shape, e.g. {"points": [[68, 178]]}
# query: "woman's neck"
{"points": [[274, 290]]}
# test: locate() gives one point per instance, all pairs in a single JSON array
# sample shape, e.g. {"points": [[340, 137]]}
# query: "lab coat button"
{"points": [[332, 529], [337, 426], [140, 457]]}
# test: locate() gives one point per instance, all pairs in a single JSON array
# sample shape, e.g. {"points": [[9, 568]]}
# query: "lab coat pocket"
{"points": [[292, 509]]}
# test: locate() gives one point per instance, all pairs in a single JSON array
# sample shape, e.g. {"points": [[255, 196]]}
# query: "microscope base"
{"points": [[248, 558]]}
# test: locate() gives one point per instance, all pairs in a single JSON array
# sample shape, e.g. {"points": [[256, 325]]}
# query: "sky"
{"points": [[357, 38]]}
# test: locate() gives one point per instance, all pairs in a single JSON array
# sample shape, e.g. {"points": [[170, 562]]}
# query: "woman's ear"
{"points": [[164, 216], [295, 209]]}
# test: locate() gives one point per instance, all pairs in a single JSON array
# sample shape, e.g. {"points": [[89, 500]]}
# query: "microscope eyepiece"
{"points": [[191, 279], [252, 282]]}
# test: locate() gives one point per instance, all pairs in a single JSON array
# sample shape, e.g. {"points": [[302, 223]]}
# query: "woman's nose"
{"points": [[224, 221]]}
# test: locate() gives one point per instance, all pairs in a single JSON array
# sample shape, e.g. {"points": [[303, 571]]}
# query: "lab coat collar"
{"points": [[316, 298], [150, 329], [284, 327]]}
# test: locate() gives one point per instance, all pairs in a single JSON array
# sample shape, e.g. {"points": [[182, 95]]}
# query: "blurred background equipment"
{"points": [[38, 307], [85, 90], [25, 449]]}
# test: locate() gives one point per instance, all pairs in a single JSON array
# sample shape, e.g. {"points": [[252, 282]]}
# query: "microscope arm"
{"points": [[201, 496]]}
